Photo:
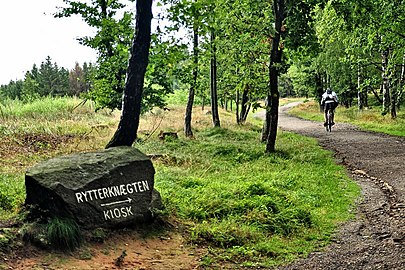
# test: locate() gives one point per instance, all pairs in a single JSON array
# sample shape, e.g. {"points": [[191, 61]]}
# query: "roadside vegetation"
{"points": [[34, 131], [369, 118], [246, 207]]}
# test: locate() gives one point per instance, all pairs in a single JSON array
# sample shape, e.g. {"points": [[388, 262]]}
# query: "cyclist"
{"points": [[329, 101]]}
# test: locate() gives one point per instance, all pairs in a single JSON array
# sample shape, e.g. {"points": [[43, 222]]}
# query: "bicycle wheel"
{"points": [[329, 118]]}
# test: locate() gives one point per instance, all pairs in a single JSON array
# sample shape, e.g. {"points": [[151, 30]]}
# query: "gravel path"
{"points": [[376, 238]]}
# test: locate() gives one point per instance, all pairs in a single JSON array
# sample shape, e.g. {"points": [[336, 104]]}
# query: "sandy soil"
{"points": [[161, 252]]}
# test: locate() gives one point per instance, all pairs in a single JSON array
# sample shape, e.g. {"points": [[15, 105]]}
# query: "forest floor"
{"points": [[375, 239]]}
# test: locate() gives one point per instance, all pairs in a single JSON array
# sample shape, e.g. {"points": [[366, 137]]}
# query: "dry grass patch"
{"points": [[172, 120]]}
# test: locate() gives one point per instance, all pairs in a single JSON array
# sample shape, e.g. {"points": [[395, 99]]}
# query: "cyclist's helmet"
{"points": [[329, 91]]}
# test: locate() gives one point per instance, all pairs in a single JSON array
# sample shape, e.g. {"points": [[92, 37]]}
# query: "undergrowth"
{"points": [[247, 207], [12, 194], [250, 207]]}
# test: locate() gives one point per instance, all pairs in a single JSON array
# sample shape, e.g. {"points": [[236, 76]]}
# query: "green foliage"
{"points": [[51, 79], [349, 40], [79, 79], [243, 47], [112, 41], [12, 90], [237, 199], [178, 97], [300, 26], [12, 193], [236, 35], [63, 234], [47, 80], [30, 91], [103, 95], [302, 80], [166, 59], [7, 239], [240, 34]]}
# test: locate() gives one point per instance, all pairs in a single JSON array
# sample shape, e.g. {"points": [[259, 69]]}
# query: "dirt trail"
{"points": [[376, 238]]}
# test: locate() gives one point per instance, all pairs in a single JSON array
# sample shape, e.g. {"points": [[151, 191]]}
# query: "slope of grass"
{"points": [[247, 207], [368, 119], [51, 115]]}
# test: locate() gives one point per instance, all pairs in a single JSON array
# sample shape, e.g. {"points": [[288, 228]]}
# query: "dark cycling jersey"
{"points": [[330, 106]]}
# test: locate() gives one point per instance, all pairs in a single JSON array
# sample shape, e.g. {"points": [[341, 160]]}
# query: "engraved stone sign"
{"points": [[109, 188]]}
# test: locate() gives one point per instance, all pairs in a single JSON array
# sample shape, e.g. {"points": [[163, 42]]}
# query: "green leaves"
{"points": [[112, 41]]}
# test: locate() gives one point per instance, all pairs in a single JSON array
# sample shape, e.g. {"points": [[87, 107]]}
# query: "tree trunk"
{"points": [[244, 106], [127, 129], [361, 94], [189, 109], [393, 103], [202, 103], [237, 107], [104, 15], [319, 88], [376, 94], [401, 82], [385, 82], [266, 124], [275, 62], [214, 92]]}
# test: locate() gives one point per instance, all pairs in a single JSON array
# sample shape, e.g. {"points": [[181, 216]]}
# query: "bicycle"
{"points": [[329, 120]]}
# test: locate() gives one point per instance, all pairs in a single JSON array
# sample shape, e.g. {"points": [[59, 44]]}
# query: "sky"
{"points": [[29, 33]]}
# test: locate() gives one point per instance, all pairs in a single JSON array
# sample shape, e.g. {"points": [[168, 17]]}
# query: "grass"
{"points": [[249, 207], [31, 132], [64, 234], [246, 207], [51, 116], [369, 119], [12, 194]]}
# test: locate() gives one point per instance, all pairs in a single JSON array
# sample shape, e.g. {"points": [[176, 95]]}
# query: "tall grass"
{"points": [[47, 107], [31, 132], [58, 115], [63, 234], [180, 96]]}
